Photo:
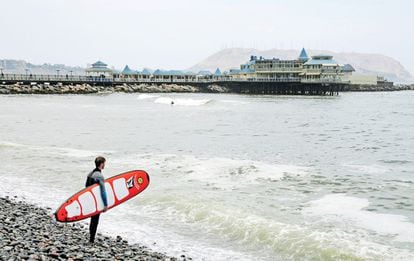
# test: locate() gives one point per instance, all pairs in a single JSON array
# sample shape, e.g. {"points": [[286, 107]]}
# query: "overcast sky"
{"points": [[178, 34]]}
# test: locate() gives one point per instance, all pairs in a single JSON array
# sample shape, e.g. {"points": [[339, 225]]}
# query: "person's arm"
{"points": [[103, 191]]}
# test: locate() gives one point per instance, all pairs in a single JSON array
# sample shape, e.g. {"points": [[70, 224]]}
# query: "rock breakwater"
{"points": [[86, 88], [379, 88]]}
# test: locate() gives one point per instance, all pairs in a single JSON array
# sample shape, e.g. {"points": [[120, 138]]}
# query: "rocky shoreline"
{"points": [[86, 88], [379, 88], [41, 88], [28, 232]]}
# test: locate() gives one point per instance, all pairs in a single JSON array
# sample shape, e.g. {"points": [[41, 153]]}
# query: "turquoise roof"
{"points": [[146, 71], [347, 68], [127, 70], [99, 64], [204, 72], [234, 71], [318, 61], [247, 70], [321, 59], [217, 72], [303, 56], [172, 72]]}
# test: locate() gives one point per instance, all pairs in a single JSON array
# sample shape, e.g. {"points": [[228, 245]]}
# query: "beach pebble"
{"points": [[28, 232]]}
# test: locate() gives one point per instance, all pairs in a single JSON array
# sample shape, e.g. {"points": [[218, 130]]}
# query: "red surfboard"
{"points": [[88, 202]]}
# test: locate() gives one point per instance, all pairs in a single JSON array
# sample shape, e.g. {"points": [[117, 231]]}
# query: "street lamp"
{"points": [[71, 74], [27, 70], [57, 72]]}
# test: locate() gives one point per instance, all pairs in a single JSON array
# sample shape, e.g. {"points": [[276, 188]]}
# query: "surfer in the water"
{"points": [[96, 177]]}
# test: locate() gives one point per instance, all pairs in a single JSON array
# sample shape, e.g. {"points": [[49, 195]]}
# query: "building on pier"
{"points": [[318, 68], [217, 74], [145, 74], [274, 69], [128, 74], [99, 69], [173, 76], [322, 68], [127, 71], [347, 69]]}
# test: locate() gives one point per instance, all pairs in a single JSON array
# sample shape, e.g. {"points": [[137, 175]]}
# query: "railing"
{"points": [[158, 80], [275, 70], [334, 71], [266, 79], [52, 78], [325, 81], [195, 79]]}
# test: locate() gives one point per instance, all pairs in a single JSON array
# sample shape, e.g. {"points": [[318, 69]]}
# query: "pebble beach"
{"points": [[29, 232]]}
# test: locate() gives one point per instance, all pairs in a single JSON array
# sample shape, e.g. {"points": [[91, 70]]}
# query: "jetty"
{"points": [[243, 86], [315, 75]]}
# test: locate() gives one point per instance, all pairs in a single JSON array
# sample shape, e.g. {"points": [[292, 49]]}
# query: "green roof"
{"points": [[99, 64]]}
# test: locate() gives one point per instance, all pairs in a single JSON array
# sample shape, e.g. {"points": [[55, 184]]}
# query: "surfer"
{"points": [[95, 176]]}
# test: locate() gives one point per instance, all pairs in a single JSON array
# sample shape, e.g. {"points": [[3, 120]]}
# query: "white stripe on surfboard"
{"points": [[73, 209], [120, 187], [87, 202]]}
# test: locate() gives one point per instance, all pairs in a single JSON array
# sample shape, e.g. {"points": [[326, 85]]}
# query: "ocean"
{"points": [[233, 177]]}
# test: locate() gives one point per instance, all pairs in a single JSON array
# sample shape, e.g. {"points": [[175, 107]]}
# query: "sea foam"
{"points": [[145, 96], [65, 151], [224, 173], [341, 207], [182, 102]]}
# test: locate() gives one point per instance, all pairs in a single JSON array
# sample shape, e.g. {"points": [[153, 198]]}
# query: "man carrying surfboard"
{"points": [[95, 176]]}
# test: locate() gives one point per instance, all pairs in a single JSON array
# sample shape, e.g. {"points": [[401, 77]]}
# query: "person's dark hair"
{"points": [[99, 160]]}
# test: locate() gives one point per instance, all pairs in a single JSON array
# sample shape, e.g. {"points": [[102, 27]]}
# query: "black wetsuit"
{"points": [[93, 178]]}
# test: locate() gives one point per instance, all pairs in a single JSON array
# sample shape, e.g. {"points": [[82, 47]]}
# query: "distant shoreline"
{"points": [[162, 88], [30, 232]]}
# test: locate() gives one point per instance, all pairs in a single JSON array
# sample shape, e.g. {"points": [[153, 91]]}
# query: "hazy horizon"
{"points": [[179, 34]]}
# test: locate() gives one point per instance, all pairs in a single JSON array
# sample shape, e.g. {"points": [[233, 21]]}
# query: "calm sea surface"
{"points": [[232, 177]]}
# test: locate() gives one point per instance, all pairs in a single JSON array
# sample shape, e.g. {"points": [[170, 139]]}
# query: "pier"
{"points": [[270, 86], [315, 75]]}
